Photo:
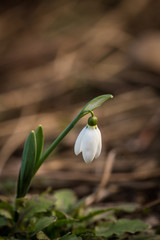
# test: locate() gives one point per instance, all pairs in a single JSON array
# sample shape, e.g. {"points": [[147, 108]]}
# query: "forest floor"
{"points": [[56, 57]]}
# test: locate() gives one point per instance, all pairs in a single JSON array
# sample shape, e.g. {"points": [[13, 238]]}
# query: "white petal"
{"points": [[78, 143], [99, 146], [89, 144], [88, 156]]}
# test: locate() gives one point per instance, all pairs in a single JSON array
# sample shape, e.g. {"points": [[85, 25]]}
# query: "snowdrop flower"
{"points": [[89, 141]]}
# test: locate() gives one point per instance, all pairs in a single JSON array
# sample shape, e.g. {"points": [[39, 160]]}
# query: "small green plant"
{"points": [[61, 215], [33, 158]]}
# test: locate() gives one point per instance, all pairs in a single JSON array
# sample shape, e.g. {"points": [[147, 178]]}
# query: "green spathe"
{"points": [[96, 102]]}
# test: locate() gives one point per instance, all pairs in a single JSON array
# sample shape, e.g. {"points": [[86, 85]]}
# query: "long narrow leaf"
{"points": [[39, 141], [27, 165]]}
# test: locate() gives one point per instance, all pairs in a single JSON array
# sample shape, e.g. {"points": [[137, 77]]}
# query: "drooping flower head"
{"points": [[89, 141]]}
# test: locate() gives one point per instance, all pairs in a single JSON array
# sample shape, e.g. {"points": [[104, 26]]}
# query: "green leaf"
{"points": [[120, 227], [63, 218], [79, 230], [70, 237], [7, 207], [95, 213], [27, 165], [64, 222], [94, 103], [3, 221], [37, 204], [43, 223], [145, 237], [41, 236], [39, 141], [65, 199], [5, 214], [127, 207], [59, 214], [124, 208]]}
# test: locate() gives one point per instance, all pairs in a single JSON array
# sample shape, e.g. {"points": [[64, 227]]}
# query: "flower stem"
{"points": [[59, 139], [91, 112]]}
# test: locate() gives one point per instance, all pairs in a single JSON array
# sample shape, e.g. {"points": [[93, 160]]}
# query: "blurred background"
{"points": [[55, 56]]}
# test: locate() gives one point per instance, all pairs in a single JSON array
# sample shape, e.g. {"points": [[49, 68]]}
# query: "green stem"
{"points": [[59, 139], [91, 112]]}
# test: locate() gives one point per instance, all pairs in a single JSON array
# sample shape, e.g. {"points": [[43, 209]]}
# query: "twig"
{"points": [[101, 191]]}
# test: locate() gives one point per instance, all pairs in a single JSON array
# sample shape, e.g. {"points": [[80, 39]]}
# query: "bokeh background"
{"points": [[55, 56]]}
